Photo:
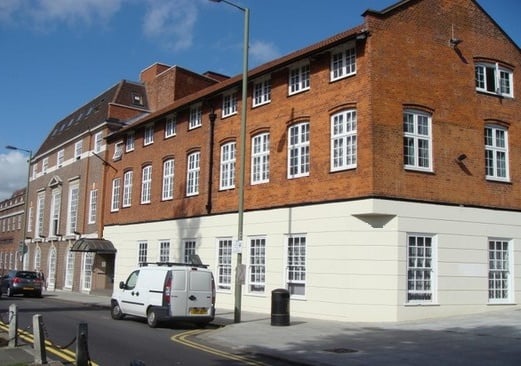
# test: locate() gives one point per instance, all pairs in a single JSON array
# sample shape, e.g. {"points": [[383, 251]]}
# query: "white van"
{"points": [[166, 291]]}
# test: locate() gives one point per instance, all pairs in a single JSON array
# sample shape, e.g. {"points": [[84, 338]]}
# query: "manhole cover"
{"points": [[341, 350]]}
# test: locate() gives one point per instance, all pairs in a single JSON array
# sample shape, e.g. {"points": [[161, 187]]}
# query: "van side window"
{"points": [[132, 280]]}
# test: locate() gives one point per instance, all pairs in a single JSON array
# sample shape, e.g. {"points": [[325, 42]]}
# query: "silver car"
{"points": [[21, 282]]}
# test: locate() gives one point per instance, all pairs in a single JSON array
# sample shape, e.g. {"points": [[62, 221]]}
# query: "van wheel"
{"points": [[152, 318], [116, 312]]}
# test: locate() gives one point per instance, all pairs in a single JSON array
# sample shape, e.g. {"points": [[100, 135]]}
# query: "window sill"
{"points": [[507, 303], [414, 304]]}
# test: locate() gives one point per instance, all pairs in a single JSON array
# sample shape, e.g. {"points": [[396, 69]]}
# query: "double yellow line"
{"points": [[64, 354], [182, 338]]}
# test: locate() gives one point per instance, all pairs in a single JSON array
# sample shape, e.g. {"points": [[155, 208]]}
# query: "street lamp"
{"points": [[242, 153], [26, 199]]}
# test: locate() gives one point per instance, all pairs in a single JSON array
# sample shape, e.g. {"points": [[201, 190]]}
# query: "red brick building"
{"points": [[11, 231]]}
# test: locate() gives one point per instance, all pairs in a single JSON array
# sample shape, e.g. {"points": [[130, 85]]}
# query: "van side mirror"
{"points": [[122, 285]]}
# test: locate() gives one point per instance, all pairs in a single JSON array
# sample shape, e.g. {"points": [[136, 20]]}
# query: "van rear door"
{"points": [[178, 302], [200, 293]]}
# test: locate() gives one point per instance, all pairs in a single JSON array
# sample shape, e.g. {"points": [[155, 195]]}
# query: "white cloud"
{"points": [[71, 11], [171, 21], [13, 176], [263, 51]]}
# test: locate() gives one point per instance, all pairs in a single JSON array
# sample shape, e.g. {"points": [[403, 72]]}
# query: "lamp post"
{"points": [[26, 199], [242, 153]]}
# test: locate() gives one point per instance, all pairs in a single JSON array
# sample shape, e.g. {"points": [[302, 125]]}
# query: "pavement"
{"points": [[492, 338]]}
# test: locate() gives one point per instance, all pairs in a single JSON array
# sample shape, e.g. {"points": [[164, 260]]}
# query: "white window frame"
{"points": [[167, 192], [298, 150], [73, 208], [60, 157], [87, 264], [40, 211], [146, 184], [417, 140], [224, 264], [128, 176], [54, 222], [257, 264], [189, 248], [227, 173], [164, 251], [78, 149], [343, 62], [193, 173], [69, 269], [421, 269], [229, 106], [93, 206], [296, 265], [196, 116], [344, 140], [170, 125], [130, 141], [148, 135], [98, 142], [496, 153], [260, 158], [299, 78], [45, 165], [500, 271], [116, 190], [118, 151], [261, 91], [142, 252], [492, 78]]}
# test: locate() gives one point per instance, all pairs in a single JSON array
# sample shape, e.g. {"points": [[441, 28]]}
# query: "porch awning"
{"points": [[93, 245]]}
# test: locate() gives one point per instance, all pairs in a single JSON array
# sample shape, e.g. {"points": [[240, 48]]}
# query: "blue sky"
{"points": [[56, 55]]}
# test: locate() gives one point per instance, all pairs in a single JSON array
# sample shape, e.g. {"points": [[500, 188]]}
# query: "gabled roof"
{"points": [[95, 113]]}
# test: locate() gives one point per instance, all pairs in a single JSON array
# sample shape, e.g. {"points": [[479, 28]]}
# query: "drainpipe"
{"points": [[212, 117]]}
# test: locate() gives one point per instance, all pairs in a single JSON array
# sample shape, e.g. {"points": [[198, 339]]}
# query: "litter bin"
{"points": [[280, 307]]}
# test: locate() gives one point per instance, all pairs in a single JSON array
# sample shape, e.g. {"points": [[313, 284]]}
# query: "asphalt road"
{"points": [[116, 343]]}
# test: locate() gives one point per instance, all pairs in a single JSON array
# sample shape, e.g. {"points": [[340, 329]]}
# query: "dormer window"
{"points": [[494, 78], [118, 151], [137, 99]]}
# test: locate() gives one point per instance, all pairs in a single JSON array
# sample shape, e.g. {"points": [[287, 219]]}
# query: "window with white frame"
{"points": [[196, 116], [168, 180], [29, 222], [78, 149], [227, 178], [116, 190], [261, 92], [343, 62], [420, 268], [499, 270], [148, 137], [257, 265], [60, 158], [164, 251], [496, 153], [72, 222], [494, 78], [298, 150], [260, 158], [224, 264], [189, 246], [45, 165], [296, 265], [88, 262], [127, 188], [93, 206], [142, 254], [343, 140], [170, 125], [192, 174], [35, 171], [54, 228], [417, 140], [40, 209], [98, 142], [130, 141], [118, 151], [229, 104], [298, 78], [37, 257], [146, 184], [69, 269]]}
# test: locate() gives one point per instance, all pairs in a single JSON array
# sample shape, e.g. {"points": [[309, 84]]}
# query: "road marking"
{"points": [[65, 354], [182, 338]]}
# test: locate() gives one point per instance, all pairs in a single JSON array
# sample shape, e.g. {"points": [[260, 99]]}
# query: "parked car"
{"points": [[21, 282]]}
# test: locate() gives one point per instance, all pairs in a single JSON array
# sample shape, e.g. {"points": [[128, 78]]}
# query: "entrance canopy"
{"points": [[93, 245]]}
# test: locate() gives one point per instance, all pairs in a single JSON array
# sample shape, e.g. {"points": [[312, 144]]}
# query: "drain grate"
{"points": [[341, 350]]}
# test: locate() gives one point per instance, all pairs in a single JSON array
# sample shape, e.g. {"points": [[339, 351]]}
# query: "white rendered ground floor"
{"points": [[369, 260]]}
